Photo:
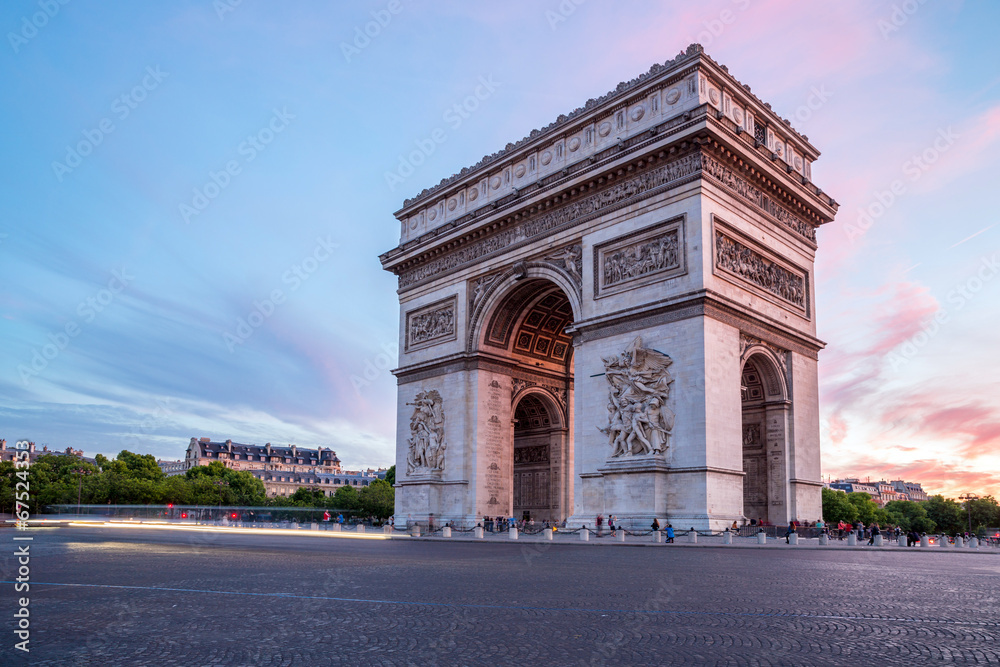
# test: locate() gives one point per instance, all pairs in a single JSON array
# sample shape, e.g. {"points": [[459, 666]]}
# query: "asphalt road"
{"points": [[130, 597]]}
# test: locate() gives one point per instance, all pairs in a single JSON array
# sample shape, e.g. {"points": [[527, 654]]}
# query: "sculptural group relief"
{"points": [[639, 421], [426, 453]]}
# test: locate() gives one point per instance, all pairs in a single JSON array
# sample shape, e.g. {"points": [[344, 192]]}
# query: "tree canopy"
{"points": [[136, 479]]}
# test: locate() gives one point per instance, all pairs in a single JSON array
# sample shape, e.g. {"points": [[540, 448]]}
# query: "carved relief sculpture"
{"points": [[751, 266], [640, 259], [435, 323], [426, 444], [639, 421], [570, 259]]}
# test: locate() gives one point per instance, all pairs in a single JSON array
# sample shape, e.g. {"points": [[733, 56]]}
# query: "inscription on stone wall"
{"points": [[496, 441], [430, 325], [751, 266]]}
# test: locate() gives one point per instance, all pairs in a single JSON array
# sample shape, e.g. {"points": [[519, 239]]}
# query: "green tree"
{"points": [[215, 483], [378, 499], [837, 508], [985, 513], [8, 482], [947, 514], [309, 496], [390, 476], [866, 507], [345, 498], [909, 515]]}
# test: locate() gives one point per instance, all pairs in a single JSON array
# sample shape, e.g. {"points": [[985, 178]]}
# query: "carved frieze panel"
{"points": [[577, 211], [751, 193], [642, 257], [736, 258], [431, 324], [532, 454]]}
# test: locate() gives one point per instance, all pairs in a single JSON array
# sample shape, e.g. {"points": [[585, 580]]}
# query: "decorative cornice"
{"points": [[691, 55]]}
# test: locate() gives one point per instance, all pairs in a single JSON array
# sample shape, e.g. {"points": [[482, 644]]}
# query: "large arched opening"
{"points": [[765, 418], [521, 326]]}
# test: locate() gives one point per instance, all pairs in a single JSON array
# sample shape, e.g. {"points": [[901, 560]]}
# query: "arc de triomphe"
{"points": [[615, 315]]}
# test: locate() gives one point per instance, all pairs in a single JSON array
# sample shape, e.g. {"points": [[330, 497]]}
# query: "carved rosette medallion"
{"points": [[639, 421], [426, 454]]}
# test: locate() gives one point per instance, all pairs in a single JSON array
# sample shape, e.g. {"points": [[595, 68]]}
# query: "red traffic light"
{"points": [[234, 515], [170, 505], [184, 515]]}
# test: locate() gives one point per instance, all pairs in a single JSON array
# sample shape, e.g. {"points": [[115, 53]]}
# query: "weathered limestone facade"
{"points": [[616, 316]]}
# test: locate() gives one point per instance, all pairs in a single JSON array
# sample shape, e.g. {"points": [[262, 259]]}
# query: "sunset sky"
{"points": [[168, 167]]}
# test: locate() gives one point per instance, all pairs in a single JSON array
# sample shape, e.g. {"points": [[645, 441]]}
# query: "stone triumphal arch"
{"points": [[615, 315]]}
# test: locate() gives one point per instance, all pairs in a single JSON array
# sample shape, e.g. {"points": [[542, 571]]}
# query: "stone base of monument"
{"points": [[387, 529], [512, 533], [479, 533], [693, 537], [658, 536], [584, 535], [824, 540], [878, 540], [636, 486], [620, 535], [943, 541], [547, 534], [973, 542], [335, 527], [314, 526], [925, 541], [793, 539], [959, 541], [446, 531], [762, 537], [360, 528], [727, 537], [415, 531], [901, 540], [852, 539]]}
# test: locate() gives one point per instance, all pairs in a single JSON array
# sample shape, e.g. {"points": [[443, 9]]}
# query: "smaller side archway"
{"points": [[765, 425], [541, 439]]}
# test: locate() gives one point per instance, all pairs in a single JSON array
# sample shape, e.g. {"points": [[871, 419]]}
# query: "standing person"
{"points": [[670, 534], [874, 531], [600, 524], [326, 516], [655, 526]]}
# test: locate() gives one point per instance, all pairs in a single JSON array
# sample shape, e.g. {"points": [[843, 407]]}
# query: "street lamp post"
{"points": [[968, 498], [80, 472], [220, 483]]}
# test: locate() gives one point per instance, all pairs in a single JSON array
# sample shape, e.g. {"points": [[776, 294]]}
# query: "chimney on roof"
{"points": [[3, 445], [229, 446], [204, 440], [31, 447], [293, 450], [267, 448]]}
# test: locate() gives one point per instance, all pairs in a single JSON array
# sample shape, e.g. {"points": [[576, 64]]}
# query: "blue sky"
{"points": [[277, 138]]}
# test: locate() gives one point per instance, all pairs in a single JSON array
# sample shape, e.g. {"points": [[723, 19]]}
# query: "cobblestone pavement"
{"points": [[148, 597]]}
